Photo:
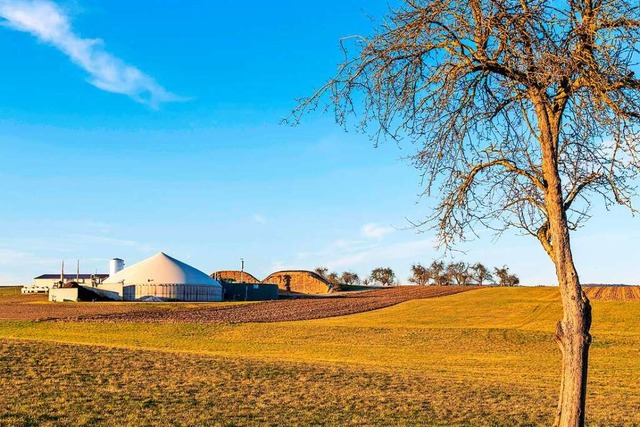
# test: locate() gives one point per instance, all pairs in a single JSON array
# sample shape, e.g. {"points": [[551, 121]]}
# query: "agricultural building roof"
{"points": [[161, 269], [72, 276]]}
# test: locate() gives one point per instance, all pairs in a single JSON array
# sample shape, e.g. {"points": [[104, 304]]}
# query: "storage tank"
{"points": [[164, 277], [115, 265]]}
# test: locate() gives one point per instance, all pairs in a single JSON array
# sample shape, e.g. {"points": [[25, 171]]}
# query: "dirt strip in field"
{"points": [[285, 310]]}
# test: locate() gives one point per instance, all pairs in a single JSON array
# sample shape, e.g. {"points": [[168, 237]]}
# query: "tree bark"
{"points": [[572, 333]]}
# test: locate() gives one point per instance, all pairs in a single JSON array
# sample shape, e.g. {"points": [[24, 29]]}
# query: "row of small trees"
{"points": [[438, 273], [461, 273], [381, 276], [338, 280]]}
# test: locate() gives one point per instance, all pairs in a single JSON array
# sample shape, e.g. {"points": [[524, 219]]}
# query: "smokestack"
{"points": [[62, 273], [78, 273]]}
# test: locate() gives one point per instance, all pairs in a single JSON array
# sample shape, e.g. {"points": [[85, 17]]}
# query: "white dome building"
{"points": [[164, 277]]}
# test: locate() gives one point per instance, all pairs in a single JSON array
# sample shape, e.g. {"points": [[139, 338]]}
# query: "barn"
{"points": [[161, 276], [301, 281]]}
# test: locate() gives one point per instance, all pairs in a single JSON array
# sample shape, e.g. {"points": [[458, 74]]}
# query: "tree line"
{"points": [[438, 274], [462, 274]]}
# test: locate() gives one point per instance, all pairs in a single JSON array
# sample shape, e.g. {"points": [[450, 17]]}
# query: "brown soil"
{"points": [[613, 293], [285, 310], [37, 307]]}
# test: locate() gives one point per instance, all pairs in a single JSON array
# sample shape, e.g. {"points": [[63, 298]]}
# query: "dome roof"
{"points": [[161, 269]]}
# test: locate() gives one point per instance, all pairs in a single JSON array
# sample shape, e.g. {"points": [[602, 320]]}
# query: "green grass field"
{"points": [[478, 358]]}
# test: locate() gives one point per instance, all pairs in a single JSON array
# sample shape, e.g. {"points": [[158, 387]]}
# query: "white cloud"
{"points": [[384, 254], [260, 219], [47, 21], [373, 230], [88, 239], [279, 266]]}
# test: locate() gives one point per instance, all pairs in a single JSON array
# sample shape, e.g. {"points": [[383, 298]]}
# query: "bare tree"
{"points": [[349, 278], [522, 110], [438, 273], [322, 271], [383, 276], [459, 271], [505, 278], [333, 278], [480, 273], [420, 275]]}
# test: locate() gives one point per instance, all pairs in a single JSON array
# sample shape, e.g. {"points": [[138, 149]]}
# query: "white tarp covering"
{"points": [[166, 277]]}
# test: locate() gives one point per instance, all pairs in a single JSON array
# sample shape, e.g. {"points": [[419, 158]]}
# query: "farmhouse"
{"points": [[302, 281], [163, 277]]}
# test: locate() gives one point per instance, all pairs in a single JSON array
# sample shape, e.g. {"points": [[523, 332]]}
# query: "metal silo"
{"points": [[115, 265]]}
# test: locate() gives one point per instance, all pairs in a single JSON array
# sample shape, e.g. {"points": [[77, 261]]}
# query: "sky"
{"points": [[129, 128]]}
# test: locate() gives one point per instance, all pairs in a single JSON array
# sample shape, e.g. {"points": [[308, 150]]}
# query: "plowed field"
{"points": [[613, 293], [285, 310]]}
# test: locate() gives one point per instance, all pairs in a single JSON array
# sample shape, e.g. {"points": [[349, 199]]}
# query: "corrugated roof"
{"points": [[72, 276]]}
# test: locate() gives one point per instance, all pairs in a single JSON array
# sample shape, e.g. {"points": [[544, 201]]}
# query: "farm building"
{"points": [[161, 276], [242, 286], [48, 280], [303, 281], [234, 276], [249, 291]]}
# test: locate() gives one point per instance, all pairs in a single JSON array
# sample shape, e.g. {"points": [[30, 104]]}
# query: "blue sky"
{"points": [[128, 128]]}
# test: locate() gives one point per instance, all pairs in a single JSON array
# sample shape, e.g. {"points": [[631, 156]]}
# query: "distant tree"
{"points": [[349, 278], [459, 272], [505, 278], [322, 271], [382, 276], [334, 279], [438, 273], [420, 275], [480, 273]]}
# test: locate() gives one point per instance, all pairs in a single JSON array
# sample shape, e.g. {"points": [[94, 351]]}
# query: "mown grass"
{"points": [[6, 291], [476, 358]]}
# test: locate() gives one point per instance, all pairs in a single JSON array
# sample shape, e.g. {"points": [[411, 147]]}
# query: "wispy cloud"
{"points": [[48, 23], [373, 230], [260, 219], [10, 259], [104, 240], [364, 254], [383, 254]]}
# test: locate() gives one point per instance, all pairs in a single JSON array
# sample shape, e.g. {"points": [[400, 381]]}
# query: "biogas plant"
{"points": [[164, 278], [158, 278]]}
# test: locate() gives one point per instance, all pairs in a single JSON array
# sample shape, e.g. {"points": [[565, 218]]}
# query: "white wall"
{"points": [[63, 294]]}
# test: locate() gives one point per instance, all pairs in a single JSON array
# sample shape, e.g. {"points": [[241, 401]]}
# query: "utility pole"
{"points": [[241, 270]]}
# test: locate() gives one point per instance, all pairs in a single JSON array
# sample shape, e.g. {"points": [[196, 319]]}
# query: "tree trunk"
{"points": [[572, 333], [573, 337]]}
